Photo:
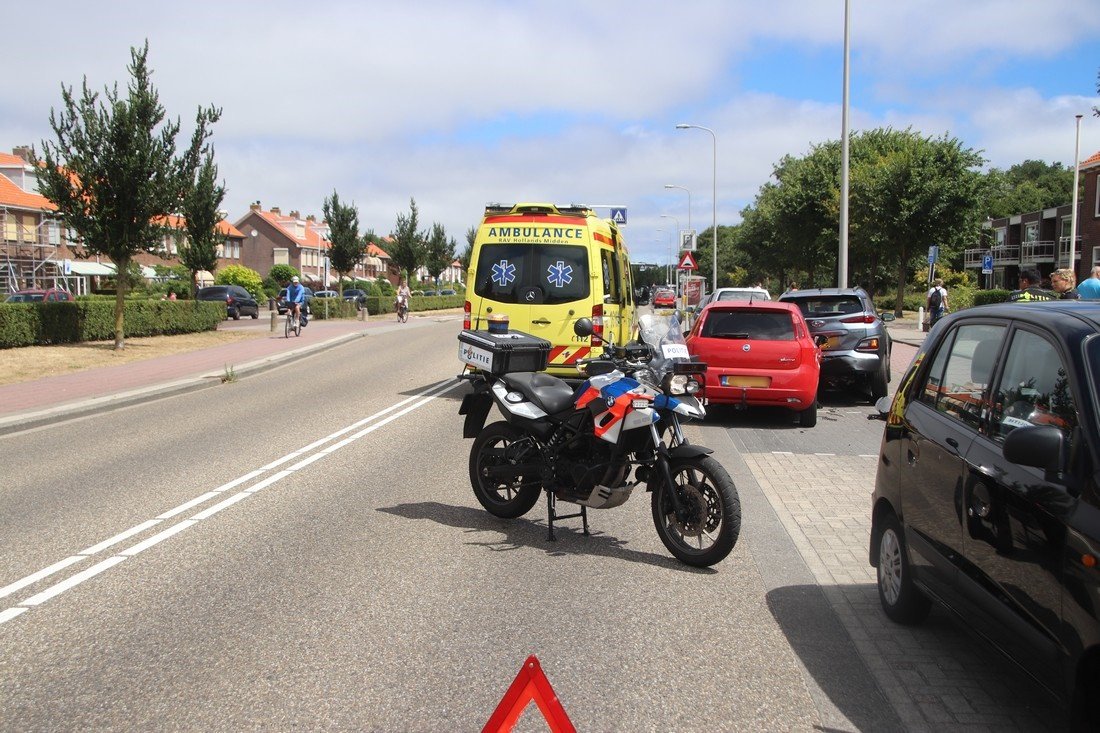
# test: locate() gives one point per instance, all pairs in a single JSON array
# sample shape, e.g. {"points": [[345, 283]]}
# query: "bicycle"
{"points": [[402, 311], [292, 324]]}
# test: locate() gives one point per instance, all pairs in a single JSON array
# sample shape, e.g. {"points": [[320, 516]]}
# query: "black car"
{"points": [[238, 301], [857, 347], [987, 497], [357, 296]]}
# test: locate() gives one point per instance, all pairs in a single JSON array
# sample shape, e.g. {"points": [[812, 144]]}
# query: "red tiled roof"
{"points": [[222, 226], [374, 250], [1092, 160], [12, 195], [7, 160], [312, 238]]}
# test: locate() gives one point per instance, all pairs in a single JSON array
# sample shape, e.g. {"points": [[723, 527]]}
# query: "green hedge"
{"points": [[379, 305], [985, 297], [28, 324], [331, 308]]}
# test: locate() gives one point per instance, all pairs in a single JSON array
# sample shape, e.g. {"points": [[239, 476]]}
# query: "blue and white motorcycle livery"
{"points": [[595, 444]]}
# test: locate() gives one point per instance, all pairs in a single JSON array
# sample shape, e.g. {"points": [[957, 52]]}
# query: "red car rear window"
{"points": [[742, 324]]}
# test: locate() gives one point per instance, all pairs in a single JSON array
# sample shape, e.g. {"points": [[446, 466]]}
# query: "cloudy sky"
{"points": [[461, 103]]}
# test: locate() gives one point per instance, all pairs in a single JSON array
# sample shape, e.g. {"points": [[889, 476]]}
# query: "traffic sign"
{"points": [[933, 254], [687, 240], [987, 264], [619, 216], [687, 262]]}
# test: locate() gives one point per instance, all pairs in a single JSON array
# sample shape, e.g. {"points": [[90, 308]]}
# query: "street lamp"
{"points": [[1073, 209], [714, 194], [670, 216], [673, 185]]}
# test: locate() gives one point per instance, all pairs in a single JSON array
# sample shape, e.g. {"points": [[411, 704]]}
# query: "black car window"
{"points": [[763, 325], [556, 273], [828, 305], [1033, 389], [959, 387]]}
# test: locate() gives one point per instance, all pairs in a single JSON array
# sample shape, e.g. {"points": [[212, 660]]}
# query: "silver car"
{"points": [[857, 351]]}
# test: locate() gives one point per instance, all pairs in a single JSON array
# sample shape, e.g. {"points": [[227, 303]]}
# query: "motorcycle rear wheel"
{"points": [[497, 445], [710, 533]]}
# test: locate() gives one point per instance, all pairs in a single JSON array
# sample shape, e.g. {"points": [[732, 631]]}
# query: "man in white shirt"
{"points": [[936, 302]]}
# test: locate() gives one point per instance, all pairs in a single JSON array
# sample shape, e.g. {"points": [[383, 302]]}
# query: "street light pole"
{"points": [[669, 216], [842, 255], [1073, 208], [714, 194]]}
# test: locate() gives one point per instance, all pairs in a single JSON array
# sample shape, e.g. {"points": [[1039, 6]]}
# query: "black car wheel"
{"points": [[880, 383], [900, 598]]}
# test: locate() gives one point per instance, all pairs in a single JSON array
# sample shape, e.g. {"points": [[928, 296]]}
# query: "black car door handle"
{"points": [[541, 321], [953, 443]]}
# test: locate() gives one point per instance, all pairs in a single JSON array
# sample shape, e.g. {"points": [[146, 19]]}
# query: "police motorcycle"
{"points": [[593, 445]]}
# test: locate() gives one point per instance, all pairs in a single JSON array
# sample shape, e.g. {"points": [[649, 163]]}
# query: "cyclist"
{"points": [[296, 299], [403, 295]]}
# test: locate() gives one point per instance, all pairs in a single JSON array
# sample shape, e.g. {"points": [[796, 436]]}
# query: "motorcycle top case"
{"points": [[501, 353]]}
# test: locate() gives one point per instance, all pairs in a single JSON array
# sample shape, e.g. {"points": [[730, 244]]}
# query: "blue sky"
{"points": [[458, 104]]}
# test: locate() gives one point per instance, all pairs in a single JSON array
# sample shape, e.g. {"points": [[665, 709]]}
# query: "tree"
{"points": [[439, 253], [468, 252], [246, 277], [282, 274], [347, 250], [1029, 186], [407, 250], [201, 218], [114, 173]]}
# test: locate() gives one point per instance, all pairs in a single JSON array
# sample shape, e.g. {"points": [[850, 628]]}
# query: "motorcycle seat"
{"points": [[548, 392]]}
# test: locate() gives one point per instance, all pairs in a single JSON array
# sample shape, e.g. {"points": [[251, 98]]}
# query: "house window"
{"points": [[1097, 187], [11, 228], [999, 237], [1067, 226], [281, 256], [28, 228], [1031, 232], [54, 233], [236, 250]]}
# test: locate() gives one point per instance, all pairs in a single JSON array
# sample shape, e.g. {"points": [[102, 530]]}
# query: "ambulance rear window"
{"points": [[532, 274]]}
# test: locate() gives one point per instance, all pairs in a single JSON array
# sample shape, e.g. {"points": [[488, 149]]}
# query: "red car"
{"points": [[37, 296], [664, 299], [758, 353]]}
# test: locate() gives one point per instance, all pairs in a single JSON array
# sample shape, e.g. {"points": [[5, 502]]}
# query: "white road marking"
{"points": [[425, 397]]}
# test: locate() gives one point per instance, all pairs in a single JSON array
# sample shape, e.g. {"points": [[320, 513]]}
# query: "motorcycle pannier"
{"points": [[501, 353]]}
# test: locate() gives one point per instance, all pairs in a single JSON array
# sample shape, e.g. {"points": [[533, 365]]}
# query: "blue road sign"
{"points": [[933, 254], [618, 216], [987, 264]]}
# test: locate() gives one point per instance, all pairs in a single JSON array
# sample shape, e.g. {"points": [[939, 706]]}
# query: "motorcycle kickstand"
{"points": [[552, 514]]}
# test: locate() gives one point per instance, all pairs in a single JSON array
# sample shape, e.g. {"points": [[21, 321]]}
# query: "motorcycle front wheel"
{"points": [[712, 521], [499, 446]]}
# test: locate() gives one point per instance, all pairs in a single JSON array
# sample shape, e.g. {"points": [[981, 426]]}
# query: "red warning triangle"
{"points": [[530, 684], [687, 262]]}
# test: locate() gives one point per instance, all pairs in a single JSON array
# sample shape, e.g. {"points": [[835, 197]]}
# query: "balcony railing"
{"points": [[1006, 254], [973, 257], [1063, 251], [1035, 252]]}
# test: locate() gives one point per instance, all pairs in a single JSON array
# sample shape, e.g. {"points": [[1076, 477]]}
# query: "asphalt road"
{"points": [[301, 549]]}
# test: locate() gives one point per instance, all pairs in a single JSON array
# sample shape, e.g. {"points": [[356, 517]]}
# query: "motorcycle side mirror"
{"points": [[583, 327], [821, 339]]}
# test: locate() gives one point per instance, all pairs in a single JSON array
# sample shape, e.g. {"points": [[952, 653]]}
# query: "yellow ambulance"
{"points": [[545, 267]]}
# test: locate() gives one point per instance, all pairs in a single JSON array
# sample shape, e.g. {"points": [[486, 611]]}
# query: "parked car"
{"points": [[987, 497], [446, 292], [238, 301], [326, 294], [664, 298], [428, 293], [49, 295], [357, 296], [857, 349], [280, 302], [758, 353]]}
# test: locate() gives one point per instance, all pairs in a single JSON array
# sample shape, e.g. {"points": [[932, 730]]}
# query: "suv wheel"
{"points": [[900, 598], [880, 383]]}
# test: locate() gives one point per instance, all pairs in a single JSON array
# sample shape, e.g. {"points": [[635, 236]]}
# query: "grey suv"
{"points": [[858, 347], [238, 301]]}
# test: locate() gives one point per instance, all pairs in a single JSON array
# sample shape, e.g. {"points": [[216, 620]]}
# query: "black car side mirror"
{"points": [[583, 327], [1038, 446], [886, 316]]}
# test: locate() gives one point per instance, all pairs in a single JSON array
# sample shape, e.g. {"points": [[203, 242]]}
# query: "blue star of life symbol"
{"points": [[503, 273], [559, 274]]}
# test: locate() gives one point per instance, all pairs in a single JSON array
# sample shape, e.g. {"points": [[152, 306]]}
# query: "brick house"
{"points": [[1040, 240], [274, 238]]}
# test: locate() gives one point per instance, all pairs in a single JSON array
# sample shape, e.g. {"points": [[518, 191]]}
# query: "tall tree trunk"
{"points": [[122, 282]]}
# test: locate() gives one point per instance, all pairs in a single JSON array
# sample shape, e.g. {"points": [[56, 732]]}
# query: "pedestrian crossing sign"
{"points": [[619, 216]]}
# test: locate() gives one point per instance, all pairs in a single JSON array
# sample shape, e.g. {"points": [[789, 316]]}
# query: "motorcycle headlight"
{"points": [[676, 383], [692, 386]]}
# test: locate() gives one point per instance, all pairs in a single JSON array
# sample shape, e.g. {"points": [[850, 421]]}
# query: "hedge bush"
{"points": [[29, 324], [417, 303], [985, 297], [330, 308]]}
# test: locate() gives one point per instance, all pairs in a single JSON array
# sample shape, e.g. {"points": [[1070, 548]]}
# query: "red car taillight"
{"points": [[597, 325], [466, 315], [863, 318]]}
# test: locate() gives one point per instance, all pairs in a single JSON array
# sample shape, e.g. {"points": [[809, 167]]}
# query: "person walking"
{"points": [[936, 302], [1089, 288], [1062, 282]]}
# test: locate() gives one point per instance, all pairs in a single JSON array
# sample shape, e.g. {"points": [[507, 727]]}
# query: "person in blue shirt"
{"points": [[1089, 288], [296, 298]]}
